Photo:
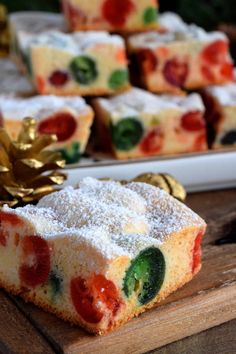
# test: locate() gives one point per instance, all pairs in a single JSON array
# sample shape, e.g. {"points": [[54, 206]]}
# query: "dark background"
{"points": [[207, 13]]}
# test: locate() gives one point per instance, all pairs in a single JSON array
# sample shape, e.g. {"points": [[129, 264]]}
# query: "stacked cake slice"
{"points": [[111, 15], [83, 63], [174, 60], [220, 102], [139, 123], [183, 58], [69, 118]]}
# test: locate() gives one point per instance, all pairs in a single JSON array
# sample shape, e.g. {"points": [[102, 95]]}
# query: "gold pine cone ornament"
{"points": [[28, 171]]}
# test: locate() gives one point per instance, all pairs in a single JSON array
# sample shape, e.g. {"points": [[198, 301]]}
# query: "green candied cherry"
{"points": [[145, 275], [83, 69], [127, 133], [71, 154], [55, 283], [149, 15], [118, 79]]}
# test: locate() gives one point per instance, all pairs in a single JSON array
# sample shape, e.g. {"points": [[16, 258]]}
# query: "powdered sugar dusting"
{"points": [[44, 220], [226, 94], [177, 31], [84, 207], [40, 107], [166, 215], [114, 219], [75, 43], [137, 101]]}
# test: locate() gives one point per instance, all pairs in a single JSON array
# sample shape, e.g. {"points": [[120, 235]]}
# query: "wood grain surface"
{"points": [[208, 301], [17, 334], [220, 340]]}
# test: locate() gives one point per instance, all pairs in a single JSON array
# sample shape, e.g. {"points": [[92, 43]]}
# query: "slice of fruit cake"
{"points": [[185, 57], [69, 118], [111, 15], [83, 63], [138, 124], [99, 254], [220, 102]]}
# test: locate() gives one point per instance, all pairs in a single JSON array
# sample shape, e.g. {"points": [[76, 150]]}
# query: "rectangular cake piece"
{"points": [[139, 124], [83, 63], [220, 102], [34, 22], [111, 15], [70, 118], [99, 254], [184, 57]]}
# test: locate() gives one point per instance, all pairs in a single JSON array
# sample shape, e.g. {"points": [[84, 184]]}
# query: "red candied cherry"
{"points": [[193, 121], [62, 124], [7, 218], [197, 252], [227, 71], [176, 72], [207, 73], [36, 261], [116, 12], [153, 141], [86, 295], [83, 301], [107, 292], [147, 60], [215, 52], [58, 78], [200, 142]]}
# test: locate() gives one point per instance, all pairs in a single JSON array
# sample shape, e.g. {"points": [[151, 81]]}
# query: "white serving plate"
{"points": [[197, 172]]}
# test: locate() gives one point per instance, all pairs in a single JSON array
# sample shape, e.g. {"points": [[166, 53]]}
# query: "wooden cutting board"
{"points": [[209, 300]]}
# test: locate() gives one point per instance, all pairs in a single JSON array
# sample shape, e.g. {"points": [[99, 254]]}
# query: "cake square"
{"points": [[111, 15], [83, 63], [220, 102], [184, 57], [139, 124], [70, 118], [101, 253]]}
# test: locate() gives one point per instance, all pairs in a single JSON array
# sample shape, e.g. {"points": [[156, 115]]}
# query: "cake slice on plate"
{"points": [[83, 63], [138, 124], [220, 102], [111, 15], [69, 118], [99, 254], [184, 57]]}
